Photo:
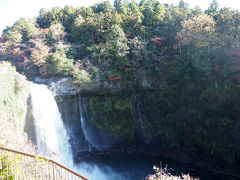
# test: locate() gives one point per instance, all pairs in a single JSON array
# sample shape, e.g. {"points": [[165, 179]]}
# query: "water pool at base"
{"points": [[132, 167]]}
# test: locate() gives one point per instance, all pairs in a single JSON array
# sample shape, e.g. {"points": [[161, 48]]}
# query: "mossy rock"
{"points": [[123, 104], [114, 116], [59, 100]]}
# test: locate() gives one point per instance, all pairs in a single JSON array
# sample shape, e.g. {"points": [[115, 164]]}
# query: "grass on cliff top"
{"points": [[13, 88], [13, 108]]}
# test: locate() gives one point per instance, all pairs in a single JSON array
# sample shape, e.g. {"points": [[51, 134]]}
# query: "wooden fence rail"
{"points": [[16, 165]]}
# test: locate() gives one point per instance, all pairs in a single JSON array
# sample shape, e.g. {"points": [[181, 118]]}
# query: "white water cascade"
{"points": [[51, 135], [140, 119], [86, 134]]}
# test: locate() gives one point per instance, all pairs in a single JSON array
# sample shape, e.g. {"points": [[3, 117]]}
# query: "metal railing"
{"points": [[15, 165]]}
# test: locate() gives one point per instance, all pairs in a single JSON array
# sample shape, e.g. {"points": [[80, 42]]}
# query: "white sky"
{"points": [[12, 10]]}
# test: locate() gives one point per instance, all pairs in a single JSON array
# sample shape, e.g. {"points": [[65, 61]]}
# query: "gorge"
{"points": [[111, 153], [68, 129], [130, 82]]}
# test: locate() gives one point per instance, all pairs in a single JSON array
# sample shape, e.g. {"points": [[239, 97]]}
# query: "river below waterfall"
{"points": [[133, 167]]}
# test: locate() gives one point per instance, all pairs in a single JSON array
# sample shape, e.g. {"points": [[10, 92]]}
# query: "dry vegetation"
{"points": [[13, 109], [163, 174]]}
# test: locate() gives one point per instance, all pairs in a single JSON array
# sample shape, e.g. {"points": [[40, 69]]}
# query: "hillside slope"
{"points": [[13, 109]]}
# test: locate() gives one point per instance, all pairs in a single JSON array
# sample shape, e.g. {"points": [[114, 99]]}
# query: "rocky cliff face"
{"points": [[59, 86], [176, 125], [101, 85]]}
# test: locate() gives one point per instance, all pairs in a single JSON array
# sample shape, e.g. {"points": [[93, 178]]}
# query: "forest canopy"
{"points": [[120, 39], [192, 56]]}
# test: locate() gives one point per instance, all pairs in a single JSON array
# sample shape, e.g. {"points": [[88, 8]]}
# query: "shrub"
{"points": [[59, 64], [81, 77]]}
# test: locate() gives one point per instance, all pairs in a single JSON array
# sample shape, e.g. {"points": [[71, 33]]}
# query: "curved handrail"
{"points": [[49, 160]]}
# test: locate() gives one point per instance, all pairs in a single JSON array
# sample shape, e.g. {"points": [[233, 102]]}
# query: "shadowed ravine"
{"points": [[66, 135]]}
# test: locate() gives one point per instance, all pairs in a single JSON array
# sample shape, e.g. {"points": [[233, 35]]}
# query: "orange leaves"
{"points": [[198, 31]]}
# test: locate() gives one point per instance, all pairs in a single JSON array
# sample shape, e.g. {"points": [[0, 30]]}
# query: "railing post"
{"points": [[53, 172]]}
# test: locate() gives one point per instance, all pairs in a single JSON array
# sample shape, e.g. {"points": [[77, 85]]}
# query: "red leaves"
{"points": [[234, 53], [43, 31], [157, 40], [17, 51], [3, 39], [78, 64], [114, 78], [234, 59]]}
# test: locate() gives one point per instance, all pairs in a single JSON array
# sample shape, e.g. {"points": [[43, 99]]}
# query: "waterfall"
{"points": [[51, 135], [86, 133], [140, 119]]}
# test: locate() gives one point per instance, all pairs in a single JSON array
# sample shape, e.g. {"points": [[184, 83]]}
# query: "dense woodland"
{"points": [[162, 38], [195, 55]]}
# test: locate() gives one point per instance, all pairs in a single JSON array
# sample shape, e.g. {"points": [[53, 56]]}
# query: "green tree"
{"points": [[114, 52], [59, 64], [84, 32], [228, 27], [86, 12], [117, 4], [138, 51], [98, 52], [104, 7], [81, 77], [197, 11], [55, 34], [213, 9], [46, 17], [21, 31], [120, 7], [68, 15], [132, 22], [43, 19], [153, 13], [117, 45], [198, 37]]}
